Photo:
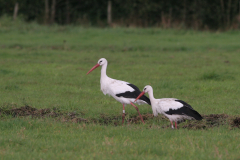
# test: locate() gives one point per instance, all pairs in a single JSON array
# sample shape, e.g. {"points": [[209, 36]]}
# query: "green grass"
{"points": [[45, 67], [46, 139]]}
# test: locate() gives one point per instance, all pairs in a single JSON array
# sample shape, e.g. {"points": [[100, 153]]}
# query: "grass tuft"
{"points": [[216, 76]]}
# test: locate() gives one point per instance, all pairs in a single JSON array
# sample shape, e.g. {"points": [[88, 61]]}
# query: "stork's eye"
{"points": [[144, 89], [100, 61]]}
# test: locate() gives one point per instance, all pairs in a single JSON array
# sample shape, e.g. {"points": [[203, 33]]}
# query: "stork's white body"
{"points": [[114, 87], [163, 105]]}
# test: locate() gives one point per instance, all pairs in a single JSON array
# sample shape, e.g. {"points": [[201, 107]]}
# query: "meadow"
{"points": [[45, 67]]}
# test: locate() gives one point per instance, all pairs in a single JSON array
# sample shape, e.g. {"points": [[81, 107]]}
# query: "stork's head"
{"points": [[101, 62], [146, 89]]}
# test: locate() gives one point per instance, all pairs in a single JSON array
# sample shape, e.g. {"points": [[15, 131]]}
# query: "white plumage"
{"points": [[174, 109], [122, 91], [114, 87]]}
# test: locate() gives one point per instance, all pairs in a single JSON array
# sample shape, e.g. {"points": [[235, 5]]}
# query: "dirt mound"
{"points": [[214, 120], [42, 113], [28, 111], [137, 119], [107, 120], [209, 121], [235, 122], [117, 120]]}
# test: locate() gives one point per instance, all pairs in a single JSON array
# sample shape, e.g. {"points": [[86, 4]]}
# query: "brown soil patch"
{"points": [[42, 113], [209, 121]]}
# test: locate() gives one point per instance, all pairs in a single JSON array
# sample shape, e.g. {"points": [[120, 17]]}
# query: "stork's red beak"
{"points": [[94, 67], [140, 95]]}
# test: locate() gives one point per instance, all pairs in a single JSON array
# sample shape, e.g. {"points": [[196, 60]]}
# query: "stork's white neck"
{"points": [[104, 71], [151, 97]]}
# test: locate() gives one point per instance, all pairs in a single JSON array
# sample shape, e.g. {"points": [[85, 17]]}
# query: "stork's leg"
{"points": [[175, 124], [123, 115], [172, 125], [138, 111]]}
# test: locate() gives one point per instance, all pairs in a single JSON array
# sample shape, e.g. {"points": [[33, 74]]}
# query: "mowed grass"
{"points": [[45, 67]]}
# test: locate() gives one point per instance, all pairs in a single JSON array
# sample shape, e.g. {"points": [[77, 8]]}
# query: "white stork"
{"points": [[174, 109], [122, 91]]}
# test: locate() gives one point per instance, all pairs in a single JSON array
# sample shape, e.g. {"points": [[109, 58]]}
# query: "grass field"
{"points": [[45, 67]]}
